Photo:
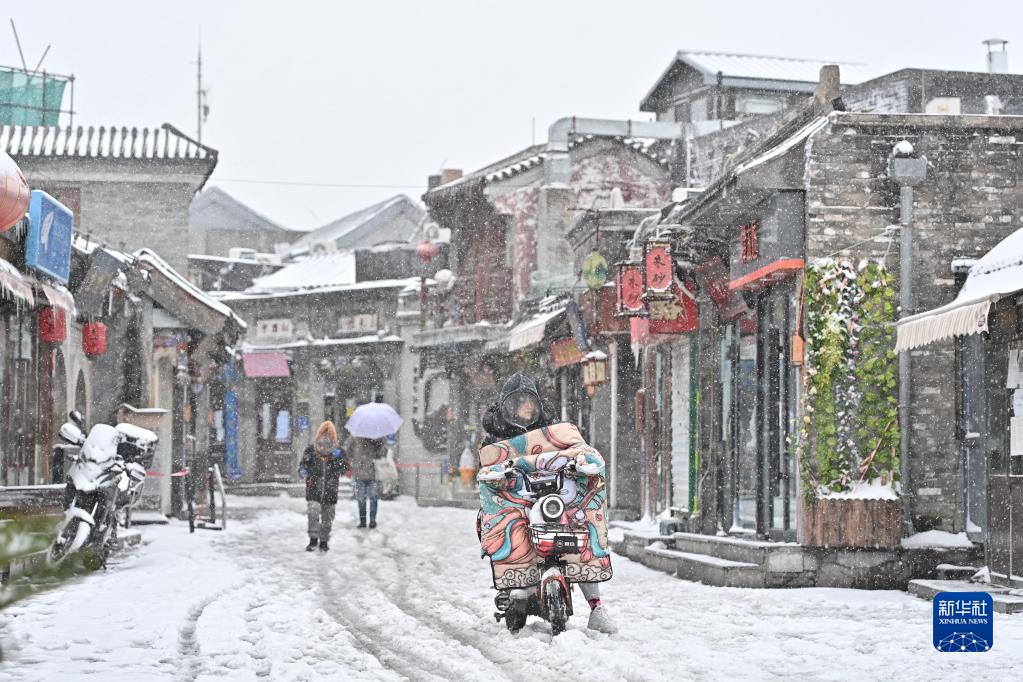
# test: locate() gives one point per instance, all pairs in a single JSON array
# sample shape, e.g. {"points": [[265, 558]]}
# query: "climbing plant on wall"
{"points": [[850, 384]]}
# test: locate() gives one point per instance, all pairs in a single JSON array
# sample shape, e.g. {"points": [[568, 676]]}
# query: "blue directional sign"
{"points": [[48, 244]]}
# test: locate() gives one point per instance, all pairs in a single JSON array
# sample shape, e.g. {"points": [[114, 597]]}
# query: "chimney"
{"points": [[432, 182], [449, 175], [827, 96], [997, 57]]}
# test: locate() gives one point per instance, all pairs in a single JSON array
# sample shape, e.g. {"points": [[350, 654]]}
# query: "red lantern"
{"points": [[427, 251], [94, 338], [52, 325], [14, 192]]}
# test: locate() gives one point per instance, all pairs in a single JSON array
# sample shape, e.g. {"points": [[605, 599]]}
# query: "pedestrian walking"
{"points": [[363, 453], [322, 466]]}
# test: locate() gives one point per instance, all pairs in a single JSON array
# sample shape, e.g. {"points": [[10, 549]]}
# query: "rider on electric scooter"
{"points": [[520, 408]]}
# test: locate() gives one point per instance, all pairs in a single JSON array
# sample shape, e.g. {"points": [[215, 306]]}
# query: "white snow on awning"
{"points": [[531, 331], [998, 274], [13, 283], [799, 136], [59, 297]]}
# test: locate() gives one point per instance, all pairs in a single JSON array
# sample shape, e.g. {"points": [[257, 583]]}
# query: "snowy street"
{"points": [[414, 602]]}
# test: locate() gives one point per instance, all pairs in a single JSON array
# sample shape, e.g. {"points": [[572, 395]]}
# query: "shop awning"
{"points": [[998, 274], [269, 364], [531, 331], [58, 297], [13, 283]]}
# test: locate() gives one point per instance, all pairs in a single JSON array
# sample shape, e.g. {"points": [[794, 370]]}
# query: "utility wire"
{"points": [[316, 184]]}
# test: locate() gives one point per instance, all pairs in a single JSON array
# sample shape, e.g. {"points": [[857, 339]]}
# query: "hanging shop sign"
{"points": [[595, 270], [577, 325], [565, 352], [93, 293], [658, 270], [629, 285], [48, 243], [676, 316]]}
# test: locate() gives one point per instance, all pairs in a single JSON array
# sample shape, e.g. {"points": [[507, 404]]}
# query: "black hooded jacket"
{"points": [[498, 428]]}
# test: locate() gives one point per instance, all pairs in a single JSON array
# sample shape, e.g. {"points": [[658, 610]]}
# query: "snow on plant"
{"points": [[849, 397]]}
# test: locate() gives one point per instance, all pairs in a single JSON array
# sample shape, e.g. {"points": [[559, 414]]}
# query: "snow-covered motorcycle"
{"points": [[106, 474]]}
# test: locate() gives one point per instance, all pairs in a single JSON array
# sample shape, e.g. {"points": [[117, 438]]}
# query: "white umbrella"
{"points": [[374, 420]]}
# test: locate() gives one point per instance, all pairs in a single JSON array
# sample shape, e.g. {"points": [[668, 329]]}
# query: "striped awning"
{"points": [[997, 275]]}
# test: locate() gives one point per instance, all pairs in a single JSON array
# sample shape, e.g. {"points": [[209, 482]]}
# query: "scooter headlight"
{"points": [[551, 508]]}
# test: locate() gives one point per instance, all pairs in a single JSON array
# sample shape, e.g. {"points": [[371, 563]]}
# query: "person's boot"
{"points": [[324, 546], [313, 543], [600, 620], [362, 522], [372, 524]]}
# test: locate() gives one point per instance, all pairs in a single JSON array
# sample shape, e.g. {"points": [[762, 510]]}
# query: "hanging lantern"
{"points": [[594, 368], [427, 251], [94, 338], [52, 324], [629, 290], [658, 270]]}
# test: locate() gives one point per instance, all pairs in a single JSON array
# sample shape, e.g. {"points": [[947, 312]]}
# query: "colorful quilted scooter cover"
{"points": [[504, 521]]}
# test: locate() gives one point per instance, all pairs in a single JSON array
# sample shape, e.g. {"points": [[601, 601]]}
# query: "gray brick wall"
{"points": [[971, 200]]}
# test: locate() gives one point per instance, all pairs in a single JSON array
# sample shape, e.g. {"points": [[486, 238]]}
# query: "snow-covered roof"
{"points": [[324, 343], [395, 219], [755, 71], [254, 295], [997, 274], [313, 272], [165, 142], [151, 258]]}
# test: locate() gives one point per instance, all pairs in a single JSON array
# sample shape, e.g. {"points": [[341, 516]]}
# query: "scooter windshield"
{"points": [[101, 444], [520, 408]]}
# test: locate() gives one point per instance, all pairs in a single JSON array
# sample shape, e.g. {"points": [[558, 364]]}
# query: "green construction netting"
{"points": [[30, 99]]}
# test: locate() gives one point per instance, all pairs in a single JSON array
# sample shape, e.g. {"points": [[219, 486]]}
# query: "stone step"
{"points": [[705, 569], [1003, 597], [779, 557], [954, 572]]}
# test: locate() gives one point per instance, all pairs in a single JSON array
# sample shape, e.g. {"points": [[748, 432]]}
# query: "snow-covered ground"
{"points": [[413, 600]]}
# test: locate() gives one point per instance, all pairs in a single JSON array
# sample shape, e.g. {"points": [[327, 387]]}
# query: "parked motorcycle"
{"points": [[106, 474], [551, 537]]}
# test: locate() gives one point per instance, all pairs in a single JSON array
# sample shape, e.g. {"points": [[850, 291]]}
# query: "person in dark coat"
{"points": [[322, 465], [363, 453], [519, 408]]}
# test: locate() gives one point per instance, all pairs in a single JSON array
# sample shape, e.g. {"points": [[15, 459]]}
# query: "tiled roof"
{"points": [[534, 156], [165, 142]]}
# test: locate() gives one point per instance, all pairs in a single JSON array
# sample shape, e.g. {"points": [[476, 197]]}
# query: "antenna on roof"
{"points": [[202, 108], [17, 41]]}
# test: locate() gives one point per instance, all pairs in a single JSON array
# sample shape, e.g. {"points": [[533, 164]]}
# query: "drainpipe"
{"points": [[908, 171]]}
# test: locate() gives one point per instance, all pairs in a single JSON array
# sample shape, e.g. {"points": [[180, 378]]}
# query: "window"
{"points": [[274, 329]]}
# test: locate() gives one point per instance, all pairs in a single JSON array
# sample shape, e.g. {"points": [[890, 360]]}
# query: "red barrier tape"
{"points": [[183, 472]]}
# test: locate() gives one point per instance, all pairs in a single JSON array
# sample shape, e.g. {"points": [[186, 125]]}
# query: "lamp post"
{"points": [[426, 251], [908, 171]]}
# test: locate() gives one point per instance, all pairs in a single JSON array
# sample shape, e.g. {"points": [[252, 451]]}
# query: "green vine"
{"points": [[850, 381]]}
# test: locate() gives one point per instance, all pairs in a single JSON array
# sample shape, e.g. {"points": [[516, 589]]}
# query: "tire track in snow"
{"points": [[188, 641]]}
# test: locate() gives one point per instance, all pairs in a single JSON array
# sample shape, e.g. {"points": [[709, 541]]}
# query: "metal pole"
{"points": [[905, 373], [612, 491]]}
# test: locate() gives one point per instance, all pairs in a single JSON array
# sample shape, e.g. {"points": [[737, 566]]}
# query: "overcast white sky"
{"points": [[385, 92]]}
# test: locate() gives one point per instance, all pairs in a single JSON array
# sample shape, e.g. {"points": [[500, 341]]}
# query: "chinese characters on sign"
{"points": [[630, 289], [565, 352], [748, 249], [657, 266], [963, 622], [676, 316]]}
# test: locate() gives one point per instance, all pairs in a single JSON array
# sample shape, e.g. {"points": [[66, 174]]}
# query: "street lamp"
{"points": [[908, 170]]}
